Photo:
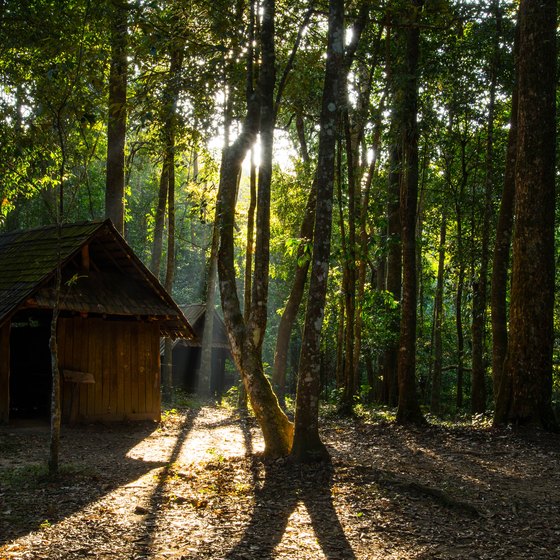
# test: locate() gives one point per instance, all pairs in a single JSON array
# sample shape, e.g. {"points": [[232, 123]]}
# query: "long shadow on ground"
{"points": [[286, 486], [158, 496], [29, 498]]}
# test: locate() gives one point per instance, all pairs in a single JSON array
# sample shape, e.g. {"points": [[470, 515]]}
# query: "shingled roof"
{"points": [[195, 314], [101, 275]]}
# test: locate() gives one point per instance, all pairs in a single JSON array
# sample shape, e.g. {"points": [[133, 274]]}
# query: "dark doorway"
{"points": [[30, 365]]}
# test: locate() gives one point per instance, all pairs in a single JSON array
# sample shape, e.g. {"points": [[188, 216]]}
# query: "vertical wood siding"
{"points": [[123, 357]]}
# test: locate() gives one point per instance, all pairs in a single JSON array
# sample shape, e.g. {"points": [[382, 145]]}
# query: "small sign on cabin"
{"points": [[77, 376]]}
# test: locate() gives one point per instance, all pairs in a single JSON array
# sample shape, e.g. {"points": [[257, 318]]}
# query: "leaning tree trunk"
{"points": [[307, 444], [528, 362], [277, 429], [116, 127], [408, 407]]}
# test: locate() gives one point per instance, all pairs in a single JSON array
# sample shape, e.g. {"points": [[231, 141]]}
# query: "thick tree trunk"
{"points": [[528, 362], [307, 444], [116, 128], [276, 427], [408, 407]]}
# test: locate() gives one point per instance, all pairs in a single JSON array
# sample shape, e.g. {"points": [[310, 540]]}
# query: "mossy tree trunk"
{"points": [[307, 445]]}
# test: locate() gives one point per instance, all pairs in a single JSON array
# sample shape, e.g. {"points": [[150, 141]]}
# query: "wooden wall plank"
{"points": [[154, 372], [81, 355], [135, 358], [123, 357], [105, 350], [89, 343], [5, 373], [129, 349], [112, 328], [96, 361], [142, 356], [119, 370]]}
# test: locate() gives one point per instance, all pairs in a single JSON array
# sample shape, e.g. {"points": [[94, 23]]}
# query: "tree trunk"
{"points": [[277, 429], [408, 407], [394, 271], [528, 362], [157, 247], [307, 444], [294, 300], [504, 229], [460, 278], [170, 265], [168, 176], [435, 402], [364, 239], [116, 127], [54, 447], [478, 387]]}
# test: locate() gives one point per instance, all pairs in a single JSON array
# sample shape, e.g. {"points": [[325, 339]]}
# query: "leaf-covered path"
{"points": [[195, 487]]}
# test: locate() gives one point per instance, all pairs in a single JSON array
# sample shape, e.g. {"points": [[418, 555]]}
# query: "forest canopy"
{"points": [[350, 172]]}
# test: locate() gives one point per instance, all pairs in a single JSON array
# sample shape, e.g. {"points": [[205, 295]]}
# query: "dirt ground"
{"points": [[195, 487]]}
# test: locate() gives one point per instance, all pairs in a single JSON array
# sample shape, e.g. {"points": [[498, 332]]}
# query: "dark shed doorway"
{"points": [[30, 365]]}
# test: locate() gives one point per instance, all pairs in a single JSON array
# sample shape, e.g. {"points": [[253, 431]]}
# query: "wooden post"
{"points": [[5, 373]]}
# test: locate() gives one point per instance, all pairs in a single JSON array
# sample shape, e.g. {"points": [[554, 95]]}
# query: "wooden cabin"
{"points": [[187, 355], [112, 314]]}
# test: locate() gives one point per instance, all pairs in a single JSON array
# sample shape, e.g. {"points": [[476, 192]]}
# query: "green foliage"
{"points": [[380, 314]]}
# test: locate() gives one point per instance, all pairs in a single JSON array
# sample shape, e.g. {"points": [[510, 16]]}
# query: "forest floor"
{"points": [[195, 486]]}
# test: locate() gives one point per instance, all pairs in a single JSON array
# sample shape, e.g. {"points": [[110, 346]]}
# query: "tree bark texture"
{"points": [[116, 127], [408, 410], [307, 444], [267, 80], [528, 362], [277, 429]]}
